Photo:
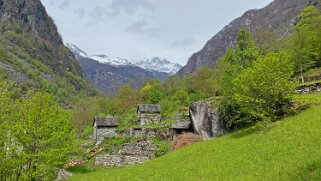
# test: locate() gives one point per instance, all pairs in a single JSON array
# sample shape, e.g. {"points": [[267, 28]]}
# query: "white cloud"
{"points": [[64, 4], [128, 6], [184, 42], [143, 27], [137, 29]]}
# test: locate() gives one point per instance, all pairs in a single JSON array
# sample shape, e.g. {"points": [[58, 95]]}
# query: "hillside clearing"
{"points": [[287, 150]]}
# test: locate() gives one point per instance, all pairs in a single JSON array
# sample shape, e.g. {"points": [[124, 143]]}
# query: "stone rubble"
{"points": [[130, 154], [307, 89]]}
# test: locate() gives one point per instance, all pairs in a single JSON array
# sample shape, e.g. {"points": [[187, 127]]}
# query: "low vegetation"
{"points": [[289, 149]]}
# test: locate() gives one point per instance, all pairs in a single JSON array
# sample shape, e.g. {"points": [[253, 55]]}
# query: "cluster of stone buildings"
{"points": [[203, 119], [105, 127]]}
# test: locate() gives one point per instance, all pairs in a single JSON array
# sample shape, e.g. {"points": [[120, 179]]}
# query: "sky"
{"points": [[140, 29]]}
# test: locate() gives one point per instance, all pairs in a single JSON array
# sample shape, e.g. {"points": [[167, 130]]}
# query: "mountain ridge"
{"points": [[253, 21], [108, 77], [154, 64], [32, 53]]}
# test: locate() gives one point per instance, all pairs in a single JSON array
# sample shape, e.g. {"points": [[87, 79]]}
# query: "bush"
{"points": [[264, 90], [185, 140]]}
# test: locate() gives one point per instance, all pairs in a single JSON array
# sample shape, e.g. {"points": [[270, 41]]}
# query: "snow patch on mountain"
{"points": [[110, 60], [74, 49], [159, 64]]}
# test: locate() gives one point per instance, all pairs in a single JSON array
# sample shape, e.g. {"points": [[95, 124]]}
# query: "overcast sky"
{"points": [[138, 29]]}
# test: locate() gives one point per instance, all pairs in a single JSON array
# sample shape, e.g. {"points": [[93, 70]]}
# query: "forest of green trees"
{"points": [[254, 81]]}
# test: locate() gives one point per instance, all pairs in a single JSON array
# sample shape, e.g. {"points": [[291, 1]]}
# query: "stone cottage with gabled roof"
{"points": [[148, 114], [104, 127]]}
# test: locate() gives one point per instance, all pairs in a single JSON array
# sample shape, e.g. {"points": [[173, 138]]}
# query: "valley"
{"points": [[244, 107]]}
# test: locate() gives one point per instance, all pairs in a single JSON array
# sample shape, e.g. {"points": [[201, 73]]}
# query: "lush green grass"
{"points": [[286, 150]]}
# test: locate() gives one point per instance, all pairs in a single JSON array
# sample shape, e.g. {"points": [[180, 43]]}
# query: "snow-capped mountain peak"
{"points": [[74, 49], [110, 60], [159, 64], [155, 64]]}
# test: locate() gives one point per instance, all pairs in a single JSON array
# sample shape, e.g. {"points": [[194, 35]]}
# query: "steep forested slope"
{"points": [[32, 52]]}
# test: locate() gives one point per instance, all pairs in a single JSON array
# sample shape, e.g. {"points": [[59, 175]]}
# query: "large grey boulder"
{"points": [[205, 119], [63, 175]]}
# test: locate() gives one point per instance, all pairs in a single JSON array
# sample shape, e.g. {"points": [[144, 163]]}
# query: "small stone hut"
{"points": [[148, 113], [181, 127], [104, 127]]}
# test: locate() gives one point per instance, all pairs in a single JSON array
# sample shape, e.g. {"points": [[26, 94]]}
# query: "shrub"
{"points": [[185, 140], [265, 89]]}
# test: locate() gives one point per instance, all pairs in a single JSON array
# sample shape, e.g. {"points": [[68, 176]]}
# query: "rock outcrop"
{"points": [[31, 15], [279, 17], [36, 34], [205, 119]]}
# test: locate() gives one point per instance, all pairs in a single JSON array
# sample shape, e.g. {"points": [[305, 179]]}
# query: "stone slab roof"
{"points": [[149, 108], [106, 121], [182, 125]]}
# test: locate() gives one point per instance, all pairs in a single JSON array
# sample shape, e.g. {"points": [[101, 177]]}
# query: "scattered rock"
{"points": [[73, 163], [139, 149], [62, 175], [312, 88], [119, 160], [130, 154], [84, 145]]}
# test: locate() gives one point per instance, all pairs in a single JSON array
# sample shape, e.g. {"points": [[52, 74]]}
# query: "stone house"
{"points": [[181, 127], [148, 113], [104, 127]]}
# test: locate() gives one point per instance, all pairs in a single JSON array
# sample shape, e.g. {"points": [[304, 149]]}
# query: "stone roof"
{"points": [[106, 121], [149, 108], [182, 125]]}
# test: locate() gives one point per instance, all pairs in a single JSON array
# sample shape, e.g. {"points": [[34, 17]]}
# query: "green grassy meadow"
{"points": [[289, 149]]}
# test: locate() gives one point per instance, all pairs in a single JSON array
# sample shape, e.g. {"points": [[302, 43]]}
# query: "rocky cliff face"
{"points": [[279, 16], [31, 15], [36, 34], [32, 53]]}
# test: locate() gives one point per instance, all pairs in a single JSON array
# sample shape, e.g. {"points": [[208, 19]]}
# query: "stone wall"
{"points": [[149, 118], [140, 149], [130, 154], [105, 132], [119, 160], [148, 133], [312, 88]]}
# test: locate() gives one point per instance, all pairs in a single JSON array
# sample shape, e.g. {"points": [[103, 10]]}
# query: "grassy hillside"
{"points": [[286, 150]]}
